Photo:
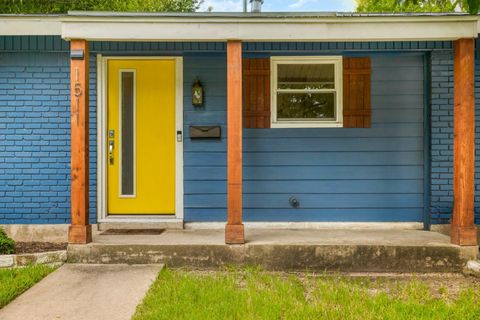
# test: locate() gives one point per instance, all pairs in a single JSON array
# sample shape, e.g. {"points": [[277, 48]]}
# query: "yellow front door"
{"points": [[141, 136]]}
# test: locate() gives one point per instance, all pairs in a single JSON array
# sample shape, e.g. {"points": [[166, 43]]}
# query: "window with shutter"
{"points": [[306, 91], [356, 93], [256, 93]]}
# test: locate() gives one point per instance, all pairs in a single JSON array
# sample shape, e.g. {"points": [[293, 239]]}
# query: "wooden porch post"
{"points": [[80, 231], [234, 230], [464, 231]]}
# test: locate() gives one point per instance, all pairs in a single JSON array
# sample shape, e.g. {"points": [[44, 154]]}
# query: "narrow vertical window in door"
{"points": [[127, 127]]}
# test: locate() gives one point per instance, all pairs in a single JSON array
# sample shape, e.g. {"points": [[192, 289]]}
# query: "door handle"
{"points": [[111, 145]]}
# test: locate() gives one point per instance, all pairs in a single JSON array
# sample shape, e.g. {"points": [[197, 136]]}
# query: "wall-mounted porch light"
{"points": [[77, 54], [197, 93]]}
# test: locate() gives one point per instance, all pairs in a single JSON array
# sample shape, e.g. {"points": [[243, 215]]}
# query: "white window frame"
{"points": [[338, 65], [102, 84], [120, 134]]}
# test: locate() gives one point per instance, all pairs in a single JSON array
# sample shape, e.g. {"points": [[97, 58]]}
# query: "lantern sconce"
{"points": [[197, 94]]}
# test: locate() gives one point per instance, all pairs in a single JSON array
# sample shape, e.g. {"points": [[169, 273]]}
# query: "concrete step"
{"points": [[288, 250]]}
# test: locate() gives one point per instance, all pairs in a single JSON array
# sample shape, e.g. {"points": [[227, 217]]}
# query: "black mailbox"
{"points": [[205, 132]]}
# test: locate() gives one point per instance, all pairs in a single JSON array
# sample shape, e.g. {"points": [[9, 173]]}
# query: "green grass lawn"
{"points": [[253, 294], [15, 281]]}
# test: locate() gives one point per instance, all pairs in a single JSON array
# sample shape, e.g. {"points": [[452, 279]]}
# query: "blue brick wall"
{"points": [[93, 139], [34, 138], [442, 136]]}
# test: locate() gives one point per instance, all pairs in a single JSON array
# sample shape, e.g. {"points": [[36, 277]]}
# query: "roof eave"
{"points": [[153, 27], [105, 26], [31, 25]]}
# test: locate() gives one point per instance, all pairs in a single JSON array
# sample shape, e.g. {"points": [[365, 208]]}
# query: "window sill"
{"points": [[306, 125]]}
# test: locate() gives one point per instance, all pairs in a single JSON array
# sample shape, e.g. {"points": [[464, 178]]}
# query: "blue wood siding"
{"points": [[337, 174], [205, 161]]}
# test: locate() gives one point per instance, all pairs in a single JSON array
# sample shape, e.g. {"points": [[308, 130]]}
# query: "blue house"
{"points": [[206, 117]]}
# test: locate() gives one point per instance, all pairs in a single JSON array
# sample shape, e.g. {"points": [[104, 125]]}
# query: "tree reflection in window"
{"points": [[315, 106]]}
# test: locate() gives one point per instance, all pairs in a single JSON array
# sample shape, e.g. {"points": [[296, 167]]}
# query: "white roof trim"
{"points": [[146, 28], [30, 26], [218, 27]]}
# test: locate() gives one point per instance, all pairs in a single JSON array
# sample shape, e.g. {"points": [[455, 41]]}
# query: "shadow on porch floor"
{"points": [[286, 237]]}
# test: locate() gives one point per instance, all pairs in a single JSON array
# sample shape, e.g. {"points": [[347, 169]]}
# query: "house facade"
{"points": [[186, 118]]}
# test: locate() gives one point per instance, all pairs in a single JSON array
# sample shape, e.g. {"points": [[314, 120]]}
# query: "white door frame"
{"points": [[102, 81]]}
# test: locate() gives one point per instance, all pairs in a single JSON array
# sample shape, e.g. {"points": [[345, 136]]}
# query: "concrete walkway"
{"points": [[84, 292]]}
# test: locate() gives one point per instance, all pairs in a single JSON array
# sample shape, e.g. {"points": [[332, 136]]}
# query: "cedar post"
{"points": [[80, 232], [463, 229], [234, 230]]}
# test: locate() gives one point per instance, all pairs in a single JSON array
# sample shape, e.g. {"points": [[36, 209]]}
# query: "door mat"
{"points": [[136, 232]]}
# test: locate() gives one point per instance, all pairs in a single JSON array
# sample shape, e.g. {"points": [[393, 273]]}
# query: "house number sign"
{"points": [[77, 91]]}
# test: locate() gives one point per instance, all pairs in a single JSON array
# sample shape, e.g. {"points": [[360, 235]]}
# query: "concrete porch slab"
{"points": [[301, 249], [84, 292]]}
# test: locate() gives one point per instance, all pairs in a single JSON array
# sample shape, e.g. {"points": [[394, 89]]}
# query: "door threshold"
{"points": [[140, 223]]}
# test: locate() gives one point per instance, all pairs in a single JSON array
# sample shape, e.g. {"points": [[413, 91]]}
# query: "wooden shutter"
{"points": [[356, 93], [256, 93]]}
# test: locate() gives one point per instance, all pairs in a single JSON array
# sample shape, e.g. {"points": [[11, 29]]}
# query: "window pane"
{"points": [[306, 76], [306, 106], [128, 133]]}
